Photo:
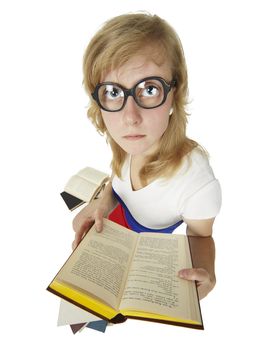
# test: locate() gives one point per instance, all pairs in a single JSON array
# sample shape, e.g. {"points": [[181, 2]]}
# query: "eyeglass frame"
{"points": [[131, 92]]}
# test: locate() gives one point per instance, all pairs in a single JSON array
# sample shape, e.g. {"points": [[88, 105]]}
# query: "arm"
{"points": [[203, 255], [94, 212]]}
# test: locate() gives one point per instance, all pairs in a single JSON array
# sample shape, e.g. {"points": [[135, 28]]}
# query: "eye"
{"points": [[113, 92], [150, 90]]}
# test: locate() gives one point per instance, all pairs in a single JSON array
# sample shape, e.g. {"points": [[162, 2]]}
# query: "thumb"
{"points": [[193, 274], [98, 220]]}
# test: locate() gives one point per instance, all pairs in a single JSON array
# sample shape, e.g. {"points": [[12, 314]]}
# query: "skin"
{"points": [[138, 131], [135, 129]]}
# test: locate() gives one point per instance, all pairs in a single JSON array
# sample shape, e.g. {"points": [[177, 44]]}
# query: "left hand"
{"points": [[204, 282]]}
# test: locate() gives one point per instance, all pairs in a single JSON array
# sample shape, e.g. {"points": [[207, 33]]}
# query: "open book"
{"points": [[83, 187], [119, 273]]}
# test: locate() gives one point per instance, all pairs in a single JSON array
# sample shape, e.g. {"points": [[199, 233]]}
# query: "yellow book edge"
{"points": [[82, 299], [94, 305], [144, 315]]}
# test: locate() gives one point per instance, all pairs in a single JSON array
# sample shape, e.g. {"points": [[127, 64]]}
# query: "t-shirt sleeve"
{"points": [[205, 203]]}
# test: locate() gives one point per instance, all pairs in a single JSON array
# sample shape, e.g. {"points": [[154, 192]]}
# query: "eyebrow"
{"points": [[152, 77]]}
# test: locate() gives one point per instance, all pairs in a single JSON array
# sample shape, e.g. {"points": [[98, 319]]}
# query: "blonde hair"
{"points": [[118, 40]]}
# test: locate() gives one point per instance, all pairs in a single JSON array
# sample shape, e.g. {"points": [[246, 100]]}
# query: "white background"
{"points": [[45, 137]]}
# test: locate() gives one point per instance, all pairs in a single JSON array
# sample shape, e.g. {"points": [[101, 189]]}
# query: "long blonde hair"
{"points": [[118, 40]]}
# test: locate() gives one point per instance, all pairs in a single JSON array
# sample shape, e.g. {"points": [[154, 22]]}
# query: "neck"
{"points": [[135, 167]]}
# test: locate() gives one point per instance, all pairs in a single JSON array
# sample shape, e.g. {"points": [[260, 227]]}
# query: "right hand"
{"points": [[92, 213]]}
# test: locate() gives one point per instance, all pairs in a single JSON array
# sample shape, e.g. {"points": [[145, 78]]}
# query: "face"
{"points": [[135, 129]]}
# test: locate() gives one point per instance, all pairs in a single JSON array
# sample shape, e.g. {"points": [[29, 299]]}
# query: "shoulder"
{"points": [[202, 195], [195, 168], [197, 159]]}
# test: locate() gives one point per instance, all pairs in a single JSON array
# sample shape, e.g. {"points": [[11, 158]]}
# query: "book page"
{"points": [[92, 175], [99, 265], [153, 284], [81, 188]]}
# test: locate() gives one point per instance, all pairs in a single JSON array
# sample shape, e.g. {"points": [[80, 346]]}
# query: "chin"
{"points": [[138, 151], [132, 149], [138, 148], [133, 152]]}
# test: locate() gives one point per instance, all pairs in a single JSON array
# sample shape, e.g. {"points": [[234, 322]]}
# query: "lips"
{"points": [[133, 137]]}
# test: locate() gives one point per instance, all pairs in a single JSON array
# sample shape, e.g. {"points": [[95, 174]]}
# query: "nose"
{"points": [[131, 112]]}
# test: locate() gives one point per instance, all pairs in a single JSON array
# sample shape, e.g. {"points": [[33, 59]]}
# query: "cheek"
{"points": [[164, 125], [160, 123], [109, 122]]}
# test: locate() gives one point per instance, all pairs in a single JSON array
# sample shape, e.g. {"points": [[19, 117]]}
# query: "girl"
{"points": [[135, 74]]}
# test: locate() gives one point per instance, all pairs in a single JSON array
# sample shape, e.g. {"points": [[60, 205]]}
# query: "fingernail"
{"points": [[183, 273], [98, 228]]}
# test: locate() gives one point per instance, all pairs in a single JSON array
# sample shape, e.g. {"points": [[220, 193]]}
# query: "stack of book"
{"points": [[79, 319], [83, 187]]}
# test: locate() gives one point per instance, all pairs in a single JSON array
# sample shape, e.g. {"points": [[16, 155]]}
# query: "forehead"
{"points": [[137, 68]]}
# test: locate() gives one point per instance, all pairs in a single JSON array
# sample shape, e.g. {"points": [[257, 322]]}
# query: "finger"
{"points": [[74, 245], [199, 275], [98, 220], [81, 232], [77, 221]]}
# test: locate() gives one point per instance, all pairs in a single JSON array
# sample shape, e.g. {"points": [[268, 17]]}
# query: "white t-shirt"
{"points": [[192, 193]]}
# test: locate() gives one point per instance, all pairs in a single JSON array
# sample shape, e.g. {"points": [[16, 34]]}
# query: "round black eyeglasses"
{"points": [[150, 92]]}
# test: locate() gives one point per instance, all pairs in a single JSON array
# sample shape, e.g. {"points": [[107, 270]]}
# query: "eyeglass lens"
{"points": [[148, 94]]}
